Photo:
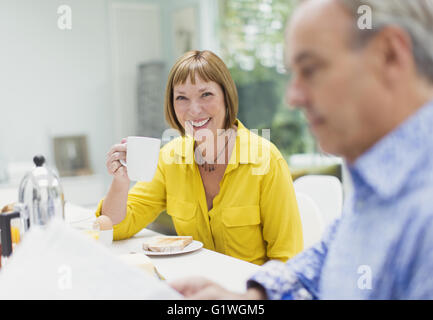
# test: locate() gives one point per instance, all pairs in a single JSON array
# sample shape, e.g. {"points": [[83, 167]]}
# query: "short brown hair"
{"points": [[209, 67]]}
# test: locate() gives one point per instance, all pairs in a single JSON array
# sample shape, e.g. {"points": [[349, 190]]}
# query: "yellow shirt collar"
{"points": [[241, 154]]}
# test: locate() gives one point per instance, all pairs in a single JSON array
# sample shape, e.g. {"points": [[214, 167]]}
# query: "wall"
{"points": [[135, 38], [207, 20], [54, 82], [80, 81]]}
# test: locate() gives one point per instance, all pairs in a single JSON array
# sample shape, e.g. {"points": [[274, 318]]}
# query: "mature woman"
{"points": [[221, 184]]}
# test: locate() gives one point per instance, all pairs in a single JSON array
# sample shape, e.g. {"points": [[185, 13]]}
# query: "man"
{"points": [[368, 96]]}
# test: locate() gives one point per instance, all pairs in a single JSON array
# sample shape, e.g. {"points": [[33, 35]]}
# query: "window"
{"points": [[251, 37]]}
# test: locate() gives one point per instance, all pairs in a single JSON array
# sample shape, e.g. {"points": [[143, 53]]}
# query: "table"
{"points": [[227, 271]]}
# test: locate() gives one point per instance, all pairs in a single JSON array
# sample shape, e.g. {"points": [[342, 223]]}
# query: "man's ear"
{"points": [[392, 47]]}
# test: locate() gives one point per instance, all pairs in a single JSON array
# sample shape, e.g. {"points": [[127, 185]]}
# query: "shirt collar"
{"points": [[241, 153], [386, 167]]}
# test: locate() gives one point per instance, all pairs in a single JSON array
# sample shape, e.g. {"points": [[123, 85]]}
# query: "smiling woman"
{"points": [[199, 105], [205, 66], [237, 196]]}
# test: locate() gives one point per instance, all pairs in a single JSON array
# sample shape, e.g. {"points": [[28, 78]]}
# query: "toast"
{"points": [[8, 208], [167, 243]]}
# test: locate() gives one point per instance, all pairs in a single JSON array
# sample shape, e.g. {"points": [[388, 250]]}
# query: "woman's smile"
{"points": [[200, 124]]}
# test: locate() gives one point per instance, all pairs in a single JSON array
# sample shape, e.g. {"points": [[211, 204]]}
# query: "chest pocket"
{"points": [[183, 214], [243, 237]]}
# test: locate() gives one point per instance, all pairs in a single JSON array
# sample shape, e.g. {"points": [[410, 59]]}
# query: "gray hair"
{"points": [[414, 16]]}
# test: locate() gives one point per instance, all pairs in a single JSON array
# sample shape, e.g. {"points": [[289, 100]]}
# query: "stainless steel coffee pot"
{"points": [[40, 196]]}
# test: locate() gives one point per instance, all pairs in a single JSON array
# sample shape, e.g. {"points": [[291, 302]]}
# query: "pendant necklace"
{"points": [[203, 163]]}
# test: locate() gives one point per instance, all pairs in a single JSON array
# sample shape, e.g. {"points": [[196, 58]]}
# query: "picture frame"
{"points": [[71, 155]]}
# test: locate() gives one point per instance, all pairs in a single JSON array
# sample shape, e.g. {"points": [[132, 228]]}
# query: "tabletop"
{"points": [[229, 272]]}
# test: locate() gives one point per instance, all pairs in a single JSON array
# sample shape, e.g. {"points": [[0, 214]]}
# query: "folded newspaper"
{"points": [[58, 262]]}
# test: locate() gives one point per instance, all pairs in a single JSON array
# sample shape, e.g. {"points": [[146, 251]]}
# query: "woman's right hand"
{"points": [[114, 167]]}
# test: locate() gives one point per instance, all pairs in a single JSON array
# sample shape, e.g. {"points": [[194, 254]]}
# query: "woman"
{"points": [[224, 186]]}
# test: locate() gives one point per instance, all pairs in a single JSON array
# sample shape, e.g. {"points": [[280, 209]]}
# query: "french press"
{"points": [[40, 198]]}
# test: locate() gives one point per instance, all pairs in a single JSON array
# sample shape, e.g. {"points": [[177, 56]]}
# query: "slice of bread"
{"points": [[167, 243], [8, 208]]}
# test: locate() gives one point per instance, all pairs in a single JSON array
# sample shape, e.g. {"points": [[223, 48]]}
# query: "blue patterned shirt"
{"points": [[382, 246]]}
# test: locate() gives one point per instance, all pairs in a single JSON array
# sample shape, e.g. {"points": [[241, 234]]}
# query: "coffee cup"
{"points": [[142, 155]]}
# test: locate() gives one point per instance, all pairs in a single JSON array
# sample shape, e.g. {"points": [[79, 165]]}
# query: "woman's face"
{"points": [[199, 106]]}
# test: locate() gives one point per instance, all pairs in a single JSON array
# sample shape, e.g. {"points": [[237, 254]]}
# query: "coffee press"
{"points": [[40, 198]]}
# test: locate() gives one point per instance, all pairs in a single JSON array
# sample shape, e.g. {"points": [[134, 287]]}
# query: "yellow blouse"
{"points": [[254, 217]]}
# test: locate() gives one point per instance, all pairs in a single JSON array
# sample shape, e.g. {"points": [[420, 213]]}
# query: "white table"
{"points": [[227, 271]]}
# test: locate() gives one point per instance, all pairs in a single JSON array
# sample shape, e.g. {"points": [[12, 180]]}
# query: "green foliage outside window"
{"points": [[252, 42]]}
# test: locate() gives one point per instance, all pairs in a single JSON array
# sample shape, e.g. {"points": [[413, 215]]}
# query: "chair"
{"points": [[313, 224], [326, 192]]}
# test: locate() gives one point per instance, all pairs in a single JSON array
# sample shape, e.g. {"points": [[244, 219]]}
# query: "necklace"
{"points": [[203, 163]]}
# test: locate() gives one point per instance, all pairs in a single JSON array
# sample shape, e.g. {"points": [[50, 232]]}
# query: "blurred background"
{"points": [[76, 76]]}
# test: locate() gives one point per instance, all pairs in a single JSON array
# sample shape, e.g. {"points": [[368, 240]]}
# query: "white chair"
{"points": [[313, 224], [326, 191]]}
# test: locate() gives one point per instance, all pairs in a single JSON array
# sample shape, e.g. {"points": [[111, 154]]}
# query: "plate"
{"points": [[193, 246]]}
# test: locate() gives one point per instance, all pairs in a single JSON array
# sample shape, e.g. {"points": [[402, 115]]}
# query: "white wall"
{"points": [[135, 37], [80, 81], [54, 81]]}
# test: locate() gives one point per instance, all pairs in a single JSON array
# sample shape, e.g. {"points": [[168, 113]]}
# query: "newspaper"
{"points": [[58, 262]]}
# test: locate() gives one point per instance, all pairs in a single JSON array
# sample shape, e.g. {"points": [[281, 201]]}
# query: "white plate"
{"points": [[193, 246]]}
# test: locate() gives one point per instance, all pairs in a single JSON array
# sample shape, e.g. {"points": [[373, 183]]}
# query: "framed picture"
{"points": [[185, 30], [71, 155]]}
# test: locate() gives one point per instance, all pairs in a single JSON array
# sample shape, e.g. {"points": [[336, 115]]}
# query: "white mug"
{"points": [[141, 157]]}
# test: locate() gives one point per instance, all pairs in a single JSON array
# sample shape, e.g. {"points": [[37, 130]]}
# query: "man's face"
{"points": [[336, 86]]}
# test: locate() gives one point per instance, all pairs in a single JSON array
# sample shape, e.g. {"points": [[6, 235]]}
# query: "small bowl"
{"points": [[106, 236]]}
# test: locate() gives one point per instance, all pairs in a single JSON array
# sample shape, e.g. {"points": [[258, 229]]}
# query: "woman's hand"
{"points": [[114, 167]]}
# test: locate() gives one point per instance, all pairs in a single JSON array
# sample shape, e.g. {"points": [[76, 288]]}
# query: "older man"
{"points": [[368, 96]]}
